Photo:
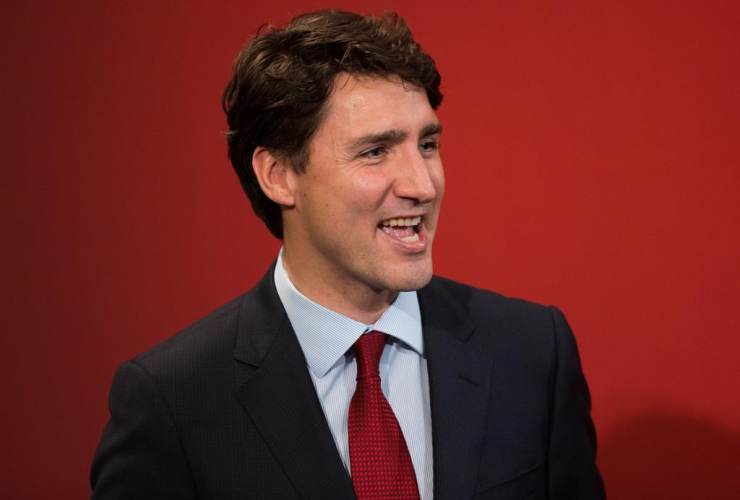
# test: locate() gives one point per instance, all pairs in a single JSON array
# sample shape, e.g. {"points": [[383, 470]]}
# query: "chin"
{"points": [[413, 279]]}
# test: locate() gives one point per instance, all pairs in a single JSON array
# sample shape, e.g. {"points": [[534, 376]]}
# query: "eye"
{"points": [[429, 146], [374, 153]]}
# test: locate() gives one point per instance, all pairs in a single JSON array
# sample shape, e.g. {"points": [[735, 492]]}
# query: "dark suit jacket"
{"points": [[227, 410]]}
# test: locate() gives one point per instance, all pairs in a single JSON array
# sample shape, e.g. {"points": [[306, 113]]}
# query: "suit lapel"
{"points": [[459, 382], [281, 400]]}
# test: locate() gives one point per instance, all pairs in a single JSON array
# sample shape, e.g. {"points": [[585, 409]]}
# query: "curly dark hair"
{"points": [[283, 78]]}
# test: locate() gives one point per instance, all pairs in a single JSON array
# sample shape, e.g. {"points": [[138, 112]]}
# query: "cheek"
{"points": [[439, 180], [441, 184], [366, 195]]}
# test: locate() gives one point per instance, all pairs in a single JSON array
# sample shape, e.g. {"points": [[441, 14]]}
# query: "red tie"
{"points": [[379, 458]]}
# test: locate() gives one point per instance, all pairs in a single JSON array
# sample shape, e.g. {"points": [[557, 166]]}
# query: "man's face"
{"points": [[366, 208]]}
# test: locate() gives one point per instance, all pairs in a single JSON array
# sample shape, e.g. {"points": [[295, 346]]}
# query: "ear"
{"points": [[274, 176]]}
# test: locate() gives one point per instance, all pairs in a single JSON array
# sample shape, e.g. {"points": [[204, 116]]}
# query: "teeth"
{"points": [[410, 239], [409, 221]]}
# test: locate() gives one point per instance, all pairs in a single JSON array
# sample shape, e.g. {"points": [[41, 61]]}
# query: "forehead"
{"points": [[359, 105]]}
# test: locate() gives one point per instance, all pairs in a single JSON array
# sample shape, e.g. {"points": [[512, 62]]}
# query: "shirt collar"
{"points": [[325, 335]]}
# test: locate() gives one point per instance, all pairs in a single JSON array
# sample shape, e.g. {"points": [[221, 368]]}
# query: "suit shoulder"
{"points": [[211, 335], [479, 301], [515, 331]]}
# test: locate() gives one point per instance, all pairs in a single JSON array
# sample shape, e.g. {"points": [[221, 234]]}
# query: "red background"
{"points": [[591, 152]]}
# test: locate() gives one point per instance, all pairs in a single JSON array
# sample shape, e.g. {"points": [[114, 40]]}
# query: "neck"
{"points": [[354, 301]]}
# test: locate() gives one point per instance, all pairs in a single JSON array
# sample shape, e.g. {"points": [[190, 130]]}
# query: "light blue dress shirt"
{"points": [[326, 338]]}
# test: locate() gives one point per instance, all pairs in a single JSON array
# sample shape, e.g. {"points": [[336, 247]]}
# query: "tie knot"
{"points": [[368, 350]]}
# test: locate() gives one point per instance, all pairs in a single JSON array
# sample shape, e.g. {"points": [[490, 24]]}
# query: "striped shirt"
{"points": [[326, 338]]}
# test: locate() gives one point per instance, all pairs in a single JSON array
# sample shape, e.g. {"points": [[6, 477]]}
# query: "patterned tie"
{"points": [[379, 458]]}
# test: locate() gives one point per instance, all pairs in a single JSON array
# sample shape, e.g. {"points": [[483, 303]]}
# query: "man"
{"points": [[349, 371]]}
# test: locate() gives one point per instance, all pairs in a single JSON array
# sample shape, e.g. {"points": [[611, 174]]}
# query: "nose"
{"points": [[420, 179]]}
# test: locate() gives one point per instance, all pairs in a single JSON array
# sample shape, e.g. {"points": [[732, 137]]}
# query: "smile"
{"points": [[403, 229]]}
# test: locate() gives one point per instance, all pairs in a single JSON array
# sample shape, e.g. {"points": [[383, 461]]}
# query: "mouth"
{"points": [[404, 229]]}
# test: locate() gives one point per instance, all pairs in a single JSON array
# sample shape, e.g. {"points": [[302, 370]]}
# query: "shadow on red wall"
{"points": [[662, 456]]}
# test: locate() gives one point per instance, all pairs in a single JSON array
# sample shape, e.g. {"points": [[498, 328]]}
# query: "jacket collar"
{"points": [[459, 387]]}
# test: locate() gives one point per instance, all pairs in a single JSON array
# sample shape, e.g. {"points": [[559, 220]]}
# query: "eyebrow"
{"points": [[394, 135], [431, 129]]}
